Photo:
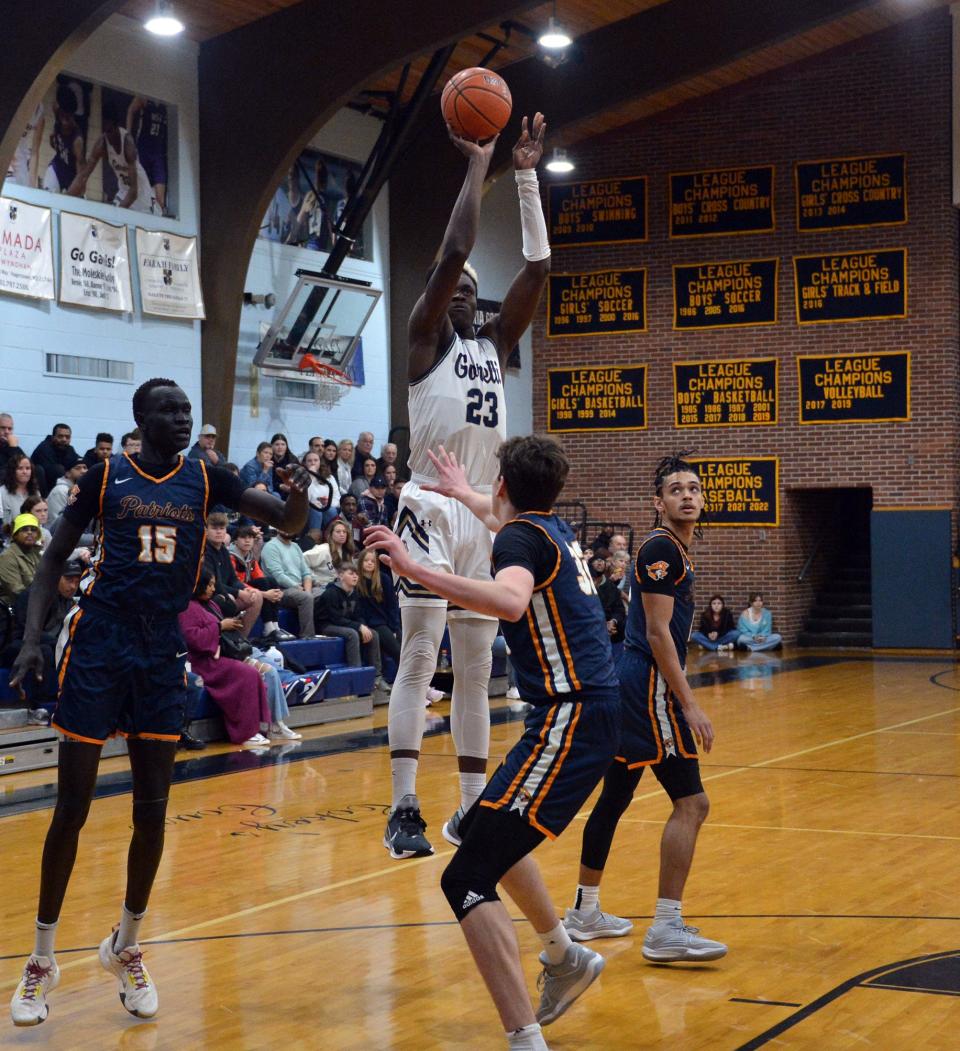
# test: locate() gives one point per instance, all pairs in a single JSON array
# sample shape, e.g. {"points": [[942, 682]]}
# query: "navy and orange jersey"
{"points": [[663, 567], [150, 531], [560, 646]]}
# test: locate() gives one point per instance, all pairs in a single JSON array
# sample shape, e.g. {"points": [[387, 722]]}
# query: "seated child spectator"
{"points": [[18, 564], [233, 597], [337, 614], [717, 631], [377, 604], [324, 559], [101, 450], [283, 560], [236, 688], [756, 626], [19, 482]]}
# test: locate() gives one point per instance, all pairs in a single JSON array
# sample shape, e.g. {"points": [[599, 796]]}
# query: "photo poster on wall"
{"points": [[78, 122], [94, 264], [169, 273], [26, 250], [310, 202]]}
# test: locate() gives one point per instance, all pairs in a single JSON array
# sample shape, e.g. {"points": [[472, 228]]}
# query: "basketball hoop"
{"points": [[331, 383]]}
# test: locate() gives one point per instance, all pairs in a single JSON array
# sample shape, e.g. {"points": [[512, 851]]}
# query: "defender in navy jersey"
{"points": [[121, 662], [662, 725], [555, 627]]}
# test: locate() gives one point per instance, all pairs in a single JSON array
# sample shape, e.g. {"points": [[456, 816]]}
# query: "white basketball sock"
{"points": [[471, 785], [588, 898], [129, 933], [527, 1038], [44, 939], [667, 910], [403, 773], [555, 943]]}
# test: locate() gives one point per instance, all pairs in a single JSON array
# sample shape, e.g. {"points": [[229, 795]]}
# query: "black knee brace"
{"points": [[464, 887], [619, 784], [149, 816]]}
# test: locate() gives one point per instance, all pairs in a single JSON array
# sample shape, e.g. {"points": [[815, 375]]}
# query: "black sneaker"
{"points": [[404, 836], [191, 743]]}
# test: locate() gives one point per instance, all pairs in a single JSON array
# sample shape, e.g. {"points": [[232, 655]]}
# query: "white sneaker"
{"points": [[513, 694], [561, 983], [671, 941], [284, 732], [434, 695], [137, 992], [41, 975], [583, 926], [257, 741]]}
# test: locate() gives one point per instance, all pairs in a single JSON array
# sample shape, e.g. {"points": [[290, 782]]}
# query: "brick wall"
{"points": [[889, 93]]}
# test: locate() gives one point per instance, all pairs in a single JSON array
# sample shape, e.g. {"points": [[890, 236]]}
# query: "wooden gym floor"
{"points": [[830, 864]]}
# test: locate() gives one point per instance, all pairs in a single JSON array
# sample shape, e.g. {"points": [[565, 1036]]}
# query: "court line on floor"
{"points": [[265, 905], [791, 828], [584, 814], [833, 770]]}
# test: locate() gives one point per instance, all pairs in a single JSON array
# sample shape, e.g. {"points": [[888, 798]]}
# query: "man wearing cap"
{"points": [[371, 502], [203, 448], [59, 495], [18, 564], [45, 692]]}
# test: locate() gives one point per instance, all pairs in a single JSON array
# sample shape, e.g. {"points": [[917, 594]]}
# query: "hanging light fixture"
{"points": [[560, 162], [554, 37], [164, 22]]}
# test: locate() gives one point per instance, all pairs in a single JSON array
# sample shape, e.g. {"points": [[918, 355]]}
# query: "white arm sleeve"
{"points": [[536, 246]]}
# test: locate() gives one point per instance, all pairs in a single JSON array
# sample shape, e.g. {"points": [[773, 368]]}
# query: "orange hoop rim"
{"points": [[325, 371]]}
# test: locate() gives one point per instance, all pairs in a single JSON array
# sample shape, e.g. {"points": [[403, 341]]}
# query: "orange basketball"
{"points": [[476, 103]]}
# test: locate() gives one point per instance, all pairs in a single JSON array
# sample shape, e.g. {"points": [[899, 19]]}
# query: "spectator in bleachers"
{"points": [[329, 454], [756, 626], [363, 449], [44, 692], [603, 538], [37, 506], [102, 450], [372, 503], [338, 615], [282, 456], [323, 496], [19, 482], [18, 563], [204, 448], [598, 565], [54, 454], [235, 687], [377, 604], [361, 482], [130, 443], [354, 519], [283, 560], [392, 495], [717, 632], [232, 597], [609, 592], [388, 457], [259, 470], [344, 472], [315, 445], [618, 542], [9, 444], [59, 495], [250, 572], [324, 559]]}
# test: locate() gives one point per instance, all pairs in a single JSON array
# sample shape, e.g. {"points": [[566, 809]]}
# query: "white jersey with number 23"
{"points": [[459, 404]]}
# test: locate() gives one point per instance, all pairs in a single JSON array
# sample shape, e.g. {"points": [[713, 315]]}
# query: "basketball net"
{"points": [[330, 383]]}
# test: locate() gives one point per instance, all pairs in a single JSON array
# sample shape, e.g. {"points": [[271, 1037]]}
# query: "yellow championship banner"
{"points": [[597, 398], [738, 392], [740, 490]]}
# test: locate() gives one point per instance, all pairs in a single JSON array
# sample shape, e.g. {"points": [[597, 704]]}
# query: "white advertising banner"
{"points": [[26, 250], [94, 264], [169, 275]]}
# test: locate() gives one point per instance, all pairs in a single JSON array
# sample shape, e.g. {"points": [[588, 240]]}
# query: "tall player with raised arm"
{"points": [[456, 400], [121, 662]]}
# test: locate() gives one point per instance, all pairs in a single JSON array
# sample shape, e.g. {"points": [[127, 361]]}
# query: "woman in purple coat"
{"points": [[235, 687]]}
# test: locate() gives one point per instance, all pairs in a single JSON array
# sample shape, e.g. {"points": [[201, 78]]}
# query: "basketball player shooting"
{"points": [[456, 400], [121, 663]]}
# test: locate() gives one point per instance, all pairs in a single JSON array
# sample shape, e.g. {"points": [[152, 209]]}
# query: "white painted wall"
{"points": [[497, 257], [272, 268], [120, 54]]}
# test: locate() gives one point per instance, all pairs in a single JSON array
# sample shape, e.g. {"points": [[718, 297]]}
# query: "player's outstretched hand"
{"points": [[392, 552], [529, 147], [29, 659], [451, 477], [296, 477], [473, 150], [700, 725]]}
